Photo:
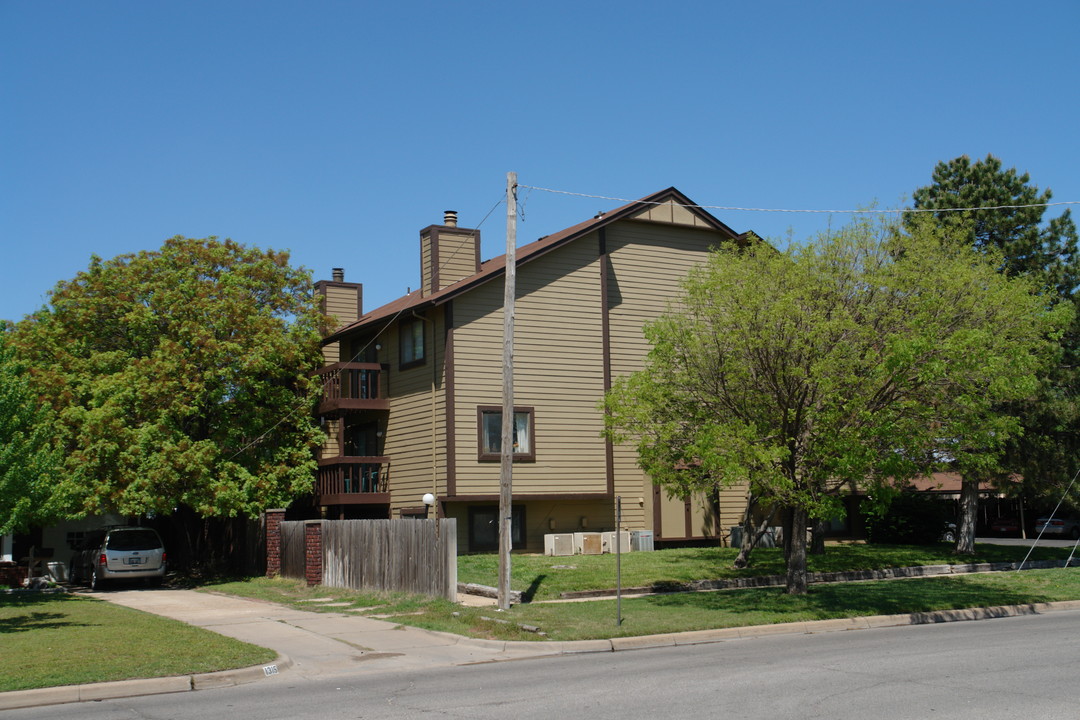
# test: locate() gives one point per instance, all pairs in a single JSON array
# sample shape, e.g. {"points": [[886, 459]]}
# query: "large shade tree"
{"points": [[1014, 229], [842, 361], [181, 380], [28, 457]]}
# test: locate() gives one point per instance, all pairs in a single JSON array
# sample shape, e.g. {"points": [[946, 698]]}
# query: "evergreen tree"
{"points": [[1046, 251]]}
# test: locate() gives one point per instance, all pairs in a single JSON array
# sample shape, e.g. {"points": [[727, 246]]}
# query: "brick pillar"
{"points": [[274, 519], [313, 552]]}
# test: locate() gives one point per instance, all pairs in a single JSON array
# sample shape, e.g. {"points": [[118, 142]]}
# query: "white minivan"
{"points": [[123, 553]]}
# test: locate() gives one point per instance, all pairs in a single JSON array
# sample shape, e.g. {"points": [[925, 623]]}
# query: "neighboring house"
{"points": [[413, 389]]}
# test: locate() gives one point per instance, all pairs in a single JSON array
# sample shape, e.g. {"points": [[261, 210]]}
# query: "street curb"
{"points": [[810, 627], [141, 686]]}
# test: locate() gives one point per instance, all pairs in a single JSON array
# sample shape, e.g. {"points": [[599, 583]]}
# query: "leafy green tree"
{"points": [[842, 361], [181, 380], [28, 459], [1015, 231]]}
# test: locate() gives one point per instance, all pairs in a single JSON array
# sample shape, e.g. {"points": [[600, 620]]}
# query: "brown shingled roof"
{"points": [[494, 267]]}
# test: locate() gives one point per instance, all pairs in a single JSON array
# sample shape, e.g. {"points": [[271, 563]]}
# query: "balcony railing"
{"points": [[351, 386], [352, 480]]}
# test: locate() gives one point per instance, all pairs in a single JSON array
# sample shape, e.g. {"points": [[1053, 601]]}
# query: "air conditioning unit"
{"points": [[641, 540], [588, 543], [559, 544], [607, 541]]}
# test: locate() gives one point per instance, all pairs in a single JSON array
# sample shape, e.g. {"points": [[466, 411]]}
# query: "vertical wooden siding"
{"points": [[392, 555]]}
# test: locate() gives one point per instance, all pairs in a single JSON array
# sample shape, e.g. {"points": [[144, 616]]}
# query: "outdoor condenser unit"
{"points": [[559, 544]]}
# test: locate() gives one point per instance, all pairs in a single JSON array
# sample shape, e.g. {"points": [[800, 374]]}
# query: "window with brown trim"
{"points": [[489, 429], [411, 343]]}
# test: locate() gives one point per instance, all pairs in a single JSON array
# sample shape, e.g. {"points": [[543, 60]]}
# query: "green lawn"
{"points": [[546, 578], [677, 612], [62, 639]]}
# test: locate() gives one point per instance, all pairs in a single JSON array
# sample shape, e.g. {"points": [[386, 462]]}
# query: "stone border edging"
{"points": [[816, 578], [140, 686]]}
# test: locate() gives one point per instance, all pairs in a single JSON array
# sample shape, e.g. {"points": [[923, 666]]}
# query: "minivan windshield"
{"points": [[133, 540]]}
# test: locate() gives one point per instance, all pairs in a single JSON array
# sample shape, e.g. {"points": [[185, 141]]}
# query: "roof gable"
{"points": [[667, 206]]}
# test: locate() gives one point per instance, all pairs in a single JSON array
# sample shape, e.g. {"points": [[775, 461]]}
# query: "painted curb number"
{"points": [[270, 670]]}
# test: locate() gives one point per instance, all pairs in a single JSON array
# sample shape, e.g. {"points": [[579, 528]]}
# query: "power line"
{"points": [[792, 210]]}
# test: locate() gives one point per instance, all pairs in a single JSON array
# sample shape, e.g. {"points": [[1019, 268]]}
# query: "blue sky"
{"points": [[338, 130]]}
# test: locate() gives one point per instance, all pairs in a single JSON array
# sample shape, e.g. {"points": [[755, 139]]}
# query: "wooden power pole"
{"points": [[506, 455]]}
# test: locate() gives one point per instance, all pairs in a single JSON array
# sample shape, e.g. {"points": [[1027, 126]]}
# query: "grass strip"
{"points": [[61, 639], [681, 612], [543, 577]]}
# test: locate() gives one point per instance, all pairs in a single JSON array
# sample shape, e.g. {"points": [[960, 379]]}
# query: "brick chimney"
{"points": [[447, 254]]}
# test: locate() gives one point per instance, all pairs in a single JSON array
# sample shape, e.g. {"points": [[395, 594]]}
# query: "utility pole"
{"points": [[506, 454]]}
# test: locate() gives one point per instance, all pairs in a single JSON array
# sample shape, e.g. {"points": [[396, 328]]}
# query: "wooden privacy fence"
{"points": [[413, 556], [292, 549]]}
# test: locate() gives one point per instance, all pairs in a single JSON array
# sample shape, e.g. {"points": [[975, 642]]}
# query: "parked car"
{"points": [[123, 553], [948, 533], [1068, 526], [1005, 526]]}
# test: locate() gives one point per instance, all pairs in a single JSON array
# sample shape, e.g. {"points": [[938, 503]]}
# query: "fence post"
{"points": [[274, 519], [313, 552]]}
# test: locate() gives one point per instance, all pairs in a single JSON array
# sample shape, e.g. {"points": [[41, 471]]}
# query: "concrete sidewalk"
{"points": [[314, 645]]}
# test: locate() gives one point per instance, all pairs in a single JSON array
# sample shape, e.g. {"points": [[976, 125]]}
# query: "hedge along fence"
{"points": [[413, 556]]}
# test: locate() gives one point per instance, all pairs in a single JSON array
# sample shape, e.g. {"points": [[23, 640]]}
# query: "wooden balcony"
{"points": [[352, 480], [351, 386]]}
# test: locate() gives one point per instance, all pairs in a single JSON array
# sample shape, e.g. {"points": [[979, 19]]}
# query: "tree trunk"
{"points": [[796, 559], [786, 525], [751, 536], [969, 513]]}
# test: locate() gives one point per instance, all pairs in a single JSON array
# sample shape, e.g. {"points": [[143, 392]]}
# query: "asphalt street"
{"points": [[1001, 669]]}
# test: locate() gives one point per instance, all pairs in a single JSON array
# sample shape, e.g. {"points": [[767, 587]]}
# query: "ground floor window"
{"points": [[484, 527]]}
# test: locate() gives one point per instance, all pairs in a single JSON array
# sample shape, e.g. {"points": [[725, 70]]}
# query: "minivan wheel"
{"points": [[96, 583]]}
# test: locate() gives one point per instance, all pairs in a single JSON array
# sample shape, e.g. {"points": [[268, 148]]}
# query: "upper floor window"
{"points": [[490, 429], [412, 342]]}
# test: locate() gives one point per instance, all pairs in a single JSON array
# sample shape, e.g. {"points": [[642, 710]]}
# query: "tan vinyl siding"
{"points": [[457, 256], [732, 507], [412, 439], [342, 304], [558, 371], [331, 448], [647, 262], [331, 353], [425, 264]]}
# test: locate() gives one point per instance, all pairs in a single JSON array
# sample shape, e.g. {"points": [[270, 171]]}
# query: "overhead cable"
{"points": [[792, 210]]}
